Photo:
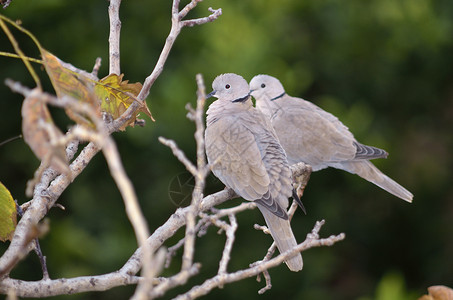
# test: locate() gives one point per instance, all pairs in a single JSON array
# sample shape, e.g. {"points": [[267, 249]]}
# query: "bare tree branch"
{"points": [[171, 226], [312, 241], [234, 210], [205, 221], [133, 211], [150, 255], [176, 26], [124, 276], [104, 141], [158, 68], [199, 172], [134, 214], [46, 199], [132, 266], [114, 37], [200, 176], [62, 286]]}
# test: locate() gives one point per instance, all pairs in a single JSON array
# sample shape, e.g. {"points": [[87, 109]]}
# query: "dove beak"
{"points": [[210, 94]]}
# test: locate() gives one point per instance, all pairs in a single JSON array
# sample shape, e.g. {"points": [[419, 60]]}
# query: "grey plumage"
{"points": [[244, 153], [311, 135]]}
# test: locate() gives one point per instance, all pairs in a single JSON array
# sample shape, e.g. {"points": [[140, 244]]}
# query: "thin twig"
{"points": [[32, 234], [42, 260], [176, 280], [199, 228], [212, 17], [6, 3], [205, 221], [172, 252], [262, 228], [172, 225], [230, 234], [179, 155], [96, 67], [10, 139], [268, 286], [191, 5]]}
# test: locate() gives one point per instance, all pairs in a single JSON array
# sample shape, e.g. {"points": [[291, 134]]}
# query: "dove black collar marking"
{"points": [[279, 96], [242, 99]]}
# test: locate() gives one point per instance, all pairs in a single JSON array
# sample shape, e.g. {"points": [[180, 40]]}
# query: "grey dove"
{"points": [[313, 136], [244, 153]]}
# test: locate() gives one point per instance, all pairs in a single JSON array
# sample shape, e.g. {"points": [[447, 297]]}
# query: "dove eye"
{"points": [[227, 86], [263, 85]]}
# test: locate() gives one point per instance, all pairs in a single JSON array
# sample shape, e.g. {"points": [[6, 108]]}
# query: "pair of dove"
{"points": [[250, 149]]}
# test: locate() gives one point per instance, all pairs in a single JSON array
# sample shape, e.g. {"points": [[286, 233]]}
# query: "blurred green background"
{"points": [[384, 67]]}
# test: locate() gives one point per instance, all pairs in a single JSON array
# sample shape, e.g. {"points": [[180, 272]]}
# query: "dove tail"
{"points": [[370, 172], [283, 236], [368, 152]]}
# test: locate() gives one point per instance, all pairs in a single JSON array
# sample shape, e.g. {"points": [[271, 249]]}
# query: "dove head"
{"points": [[266, 87], [230, 87], [266, 90]]}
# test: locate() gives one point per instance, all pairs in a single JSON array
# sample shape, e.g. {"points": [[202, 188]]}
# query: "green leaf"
{"points": [[8, 214]]}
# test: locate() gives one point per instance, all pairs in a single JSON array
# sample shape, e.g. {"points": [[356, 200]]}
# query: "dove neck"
{"points": [[242, 99], [279, 96], [267, 107], [221, 107]]}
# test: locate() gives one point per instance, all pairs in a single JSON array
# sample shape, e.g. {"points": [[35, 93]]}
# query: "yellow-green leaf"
{"points": [[69, 83], [117, 95], [8, 214]]}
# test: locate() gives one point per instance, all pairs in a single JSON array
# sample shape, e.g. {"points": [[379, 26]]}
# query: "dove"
{"points": [[311, 135], [243, 151]]}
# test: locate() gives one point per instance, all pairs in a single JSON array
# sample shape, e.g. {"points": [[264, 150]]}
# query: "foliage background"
{"points": [[384, 67]]}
